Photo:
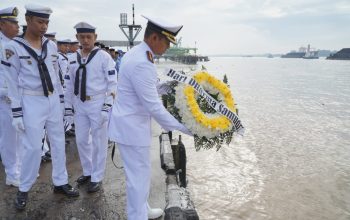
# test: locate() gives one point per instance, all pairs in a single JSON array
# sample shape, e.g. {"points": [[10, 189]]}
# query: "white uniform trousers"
{"points": [[40, 111], [91, 137], [9, 143], [137, 168]]}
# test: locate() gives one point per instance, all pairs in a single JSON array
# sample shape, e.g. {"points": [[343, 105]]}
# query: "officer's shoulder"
{"points": [[136, 60], [142, 61], [52, 44], [11, 48], [11, 43], [140, 55]]}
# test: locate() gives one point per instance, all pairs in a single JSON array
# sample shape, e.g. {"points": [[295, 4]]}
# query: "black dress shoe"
{"points": [[83, 179], [70, 133], [21, 200], [94, 187], [67, 189]]}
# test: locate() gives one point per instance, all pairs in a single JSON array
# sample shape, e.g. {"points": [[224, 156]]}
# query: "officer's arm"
{"points": [[145, 84], [3, 90], [111, 78], [110, 74], [12, 66], [58, 85], [68, 81]]}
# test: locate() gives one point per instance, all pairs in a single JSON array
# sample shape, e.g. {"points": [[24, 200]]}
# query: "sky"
{"points": [[214, 26]]}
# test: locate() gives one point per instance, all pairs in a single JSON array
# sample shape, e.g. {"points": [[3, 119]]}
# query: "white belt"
{"points": [[94, 97], [34, 93]]}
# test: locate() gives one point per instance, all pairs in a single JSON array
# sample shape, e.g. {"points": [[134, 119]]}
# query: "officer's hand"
{"points": [[106, 108], [18, 124], [165, 88]]}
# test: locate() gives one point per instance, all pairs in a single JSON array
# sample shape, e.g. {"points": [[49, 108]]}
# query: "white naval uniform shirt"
{"points": [[138, 101], [3, 75], [23, 69], [63, 65], [101, 77]]}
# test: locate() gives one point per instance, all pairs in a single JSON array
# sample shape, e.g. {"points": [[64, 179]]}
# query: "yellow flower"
{"points": [[220, 122]]}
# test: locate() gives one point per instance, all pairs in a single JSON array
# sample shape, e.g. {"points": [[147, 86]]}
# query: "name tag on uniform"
{"points": [[27, 58], [72, 62], [111, 72]]}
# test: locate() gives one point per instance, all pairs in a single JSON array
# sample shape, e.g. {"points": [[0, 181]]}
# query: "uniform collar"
{"points": [[79, 50], [43, 39], [4, 38], [144, 45]]}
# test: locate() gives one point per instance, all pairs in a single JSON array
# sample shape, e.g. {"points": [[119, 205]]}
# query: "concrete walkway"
{"points": [[109, 203]]}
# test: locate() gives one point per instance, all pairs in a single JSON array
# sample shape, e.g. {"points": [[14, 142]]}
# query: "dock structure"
{"points": [[176, 53], [118, 43], [108, 203], [129, 27], [179, 205], [185, 55]]}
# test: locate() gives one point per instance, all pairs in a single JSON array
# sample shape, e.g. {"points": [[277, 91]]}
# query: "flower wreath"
{"points": [[209, 127], [198, 121]]}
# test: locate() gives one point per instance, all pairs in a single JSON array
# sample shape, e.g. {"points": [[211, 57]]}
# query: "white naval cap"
{"points": [[9, 14], [74, 42], [65, 41], [38, 11], [163, 27], [50, 34], [83, 27]]}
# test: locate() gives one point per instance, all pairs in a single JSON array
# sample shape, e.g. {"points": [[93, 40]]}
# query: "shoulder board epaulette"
{"points": [[150, 56]]}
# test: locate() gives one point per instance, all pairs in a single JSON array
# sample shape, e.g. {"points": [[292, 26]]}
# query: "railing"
{"points": [[173, 162]]}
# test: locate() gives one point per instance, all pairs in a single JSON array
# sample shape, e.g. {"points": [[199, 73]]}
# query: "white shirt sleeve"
{"points": [[12, 66], [110, 74], [144, 81], [68, 80]]}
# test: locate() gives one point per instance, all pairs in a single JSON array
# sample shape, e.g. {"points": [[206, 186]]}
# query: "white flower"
{"points": [[187, 118]]}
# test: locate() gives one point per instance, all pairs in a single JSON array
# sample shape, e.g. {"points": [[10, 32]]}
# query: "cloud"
{"points": [[273, 12], [224, 26]]}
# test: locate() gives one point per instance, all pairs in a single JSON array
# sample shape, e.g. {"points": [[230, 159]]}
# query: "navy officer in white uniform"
{"points": [[91, 89], [9, 142], [32, 66], [137, 102]]}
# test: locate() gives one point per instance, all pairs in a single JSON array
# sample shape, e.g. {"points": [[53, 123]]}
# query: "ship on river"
{"points": [[303, 52], [186, 55], [310, 53], [294, 54]]}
